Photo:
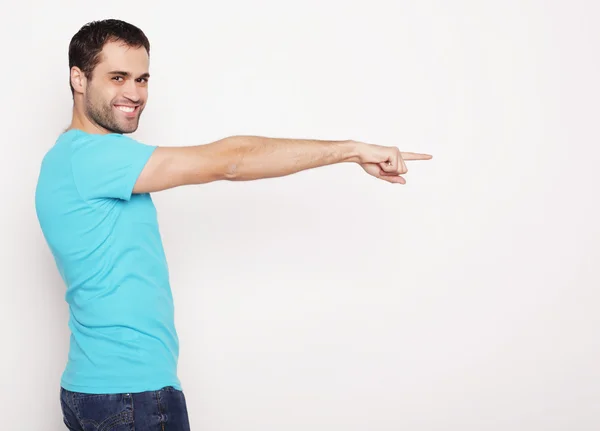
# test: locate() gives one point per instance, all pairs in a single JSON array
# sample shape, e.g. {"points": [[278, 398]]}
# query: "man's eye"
{"points": [[118, 77], [143, 79]]}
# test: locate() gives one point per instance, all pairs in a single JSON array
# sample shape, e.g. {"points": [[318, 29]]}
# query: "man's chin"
{"points": [[126, 128]]}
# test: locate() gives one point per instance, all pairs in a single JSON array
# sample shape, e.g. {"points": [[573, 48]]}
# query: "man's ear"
{"points": [[78, 79]]}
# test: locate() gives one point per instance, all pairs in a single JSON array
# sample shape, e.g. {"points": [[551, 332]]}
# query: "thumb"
{"points": [[389, 166]]}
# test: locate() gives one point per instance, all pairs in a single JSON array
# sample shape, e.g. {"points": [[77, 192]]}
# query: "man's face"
{"points": [[117, 92]]}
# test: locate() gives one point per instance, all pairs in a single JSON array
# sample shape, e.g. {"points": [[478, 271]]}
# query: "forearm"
{"points": [[242, 158]]}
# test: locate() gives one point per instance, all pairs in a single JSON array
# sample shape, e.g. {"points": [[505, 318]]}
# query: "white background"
{"points": [[467, 299]]}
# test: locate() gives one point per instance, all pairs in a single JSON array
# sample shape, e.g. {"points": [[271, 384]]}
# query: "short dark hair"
{"points": [[86, 45]]}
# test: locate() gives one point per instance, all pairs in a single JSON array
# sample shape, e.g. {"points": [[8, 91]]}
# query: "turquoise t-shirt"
{"points": [[108, 250]]}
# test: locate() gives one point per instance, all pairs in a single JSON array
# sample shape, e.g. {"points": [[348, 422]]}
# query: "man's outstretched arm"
{"points": [[244, 158]]}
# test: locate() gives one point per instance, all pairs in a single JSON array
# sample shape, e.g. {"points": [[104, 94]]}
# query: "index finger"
{"points": [[415, 156]]}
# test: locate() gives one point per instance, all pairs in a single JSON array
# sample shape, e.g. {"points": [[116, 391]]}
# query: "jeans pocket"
{"points": [[105, 412]]}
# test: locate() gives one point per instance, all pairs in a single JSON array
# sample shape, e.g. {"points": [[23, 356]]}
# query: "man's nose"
{"points": [[132, 92]]}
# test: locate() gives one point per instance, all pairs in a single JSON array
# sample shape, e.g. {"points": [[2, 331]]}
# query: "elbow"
{"points": [[232, 157], [223, 158], [231, 172]]}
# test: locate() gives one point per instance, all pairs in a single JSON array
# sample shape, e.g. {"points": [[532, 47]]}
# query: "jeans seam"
{"points": [[132, 413], [75, 409], [162, 423]]}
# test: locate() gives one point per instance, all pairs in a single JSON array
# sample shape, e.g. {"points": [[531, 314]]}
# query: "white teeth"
{"points": [[126, 108]]}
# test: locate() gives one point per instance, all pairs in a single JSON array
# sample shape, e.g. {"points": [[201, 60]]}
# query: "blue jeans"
{"points": [[161, 410]]}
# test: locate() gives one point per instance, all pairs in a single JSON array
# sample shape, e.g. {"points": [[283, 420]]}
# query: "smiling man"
{"points": [[115, 99], [94, 207]]}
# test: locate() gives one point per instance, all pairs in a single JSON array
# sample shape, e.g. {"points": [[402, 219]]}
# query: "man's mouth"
{"points": [[129, 110]]}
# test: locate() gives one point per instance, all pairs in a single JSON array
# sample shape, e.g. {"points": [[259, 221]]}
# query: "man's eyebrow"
{"points": [[127, 74]]}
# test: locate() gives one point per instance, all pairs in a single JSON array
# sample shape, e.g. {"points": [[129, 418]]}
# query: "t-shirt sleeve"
{"points": [[108, 166]]}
